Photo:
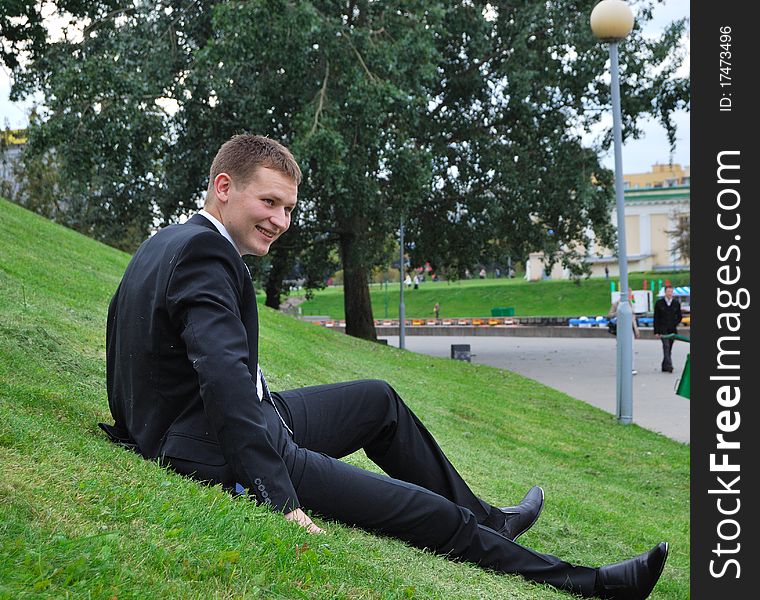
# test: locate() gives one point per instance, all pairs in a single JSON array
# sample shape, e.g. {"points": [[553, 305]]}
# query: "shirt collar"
{"points": [[218, 224]]}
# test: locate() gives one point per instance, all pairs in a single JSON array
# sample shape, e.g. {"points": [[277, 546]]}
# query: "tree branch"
{"points": [[111, 15], [372, 77], [322, 96]]}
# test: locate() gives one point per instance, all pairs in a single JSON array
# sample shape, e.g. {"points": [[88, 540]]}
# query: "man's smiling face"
{"points": [[258, 212]]}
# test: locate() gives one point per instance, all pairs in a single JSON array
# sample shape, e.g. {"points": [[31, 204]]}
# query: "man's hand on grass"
{"points": [[303, 520]]}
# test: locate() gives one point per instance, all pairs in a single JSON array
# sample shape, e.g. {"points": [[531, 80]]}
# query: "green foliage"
{"points": [[80, 517], [464, 117], [519, 86], [103, 130], [22, 28]]}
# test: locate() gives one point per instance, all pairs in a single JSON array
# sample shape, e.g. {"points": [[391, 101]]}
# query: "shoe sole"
{"points": [[538, 514]]}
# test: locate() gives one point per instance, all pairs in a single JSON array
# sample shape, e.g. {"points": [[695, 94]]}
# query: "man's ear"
{"points": [[222, 185]]}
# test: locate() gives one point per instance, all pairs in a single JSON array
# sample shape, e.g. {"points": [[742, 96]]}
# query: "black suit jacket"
{"points": [[666, 318], [182, 360]]}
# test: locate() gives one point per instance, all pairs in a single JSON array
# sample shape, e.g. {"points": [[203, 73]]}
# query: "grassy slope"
{"points": [[476, 297], [80, 517]]}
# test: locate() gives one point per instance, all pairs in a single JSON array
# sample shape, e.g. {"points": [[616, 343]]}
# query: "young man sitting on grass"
{"points": [[185, 386]]}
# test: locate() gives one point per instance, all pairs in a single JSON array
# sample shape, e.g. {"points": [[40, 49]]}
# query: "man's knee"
{"points": [[382, 405], [381, 393], [379, 386]]}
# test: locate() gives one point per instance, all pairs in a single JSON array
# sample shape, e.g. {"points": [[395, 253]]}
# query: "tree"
{"points": [[23, 34], [325, 78], [465, 118], [520, 84], [21, 30], [101, 119], [680, 236]]}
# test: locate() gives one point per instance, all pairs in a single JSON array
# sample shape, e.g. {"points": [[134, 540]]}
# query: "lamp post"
{"points": [[611, 22], [401, 308]]}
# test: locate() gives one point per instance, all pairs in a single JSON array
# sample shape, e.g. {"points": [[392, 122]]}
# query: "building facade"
{"points": [[657, 204], [661, 176], [12, 142]]}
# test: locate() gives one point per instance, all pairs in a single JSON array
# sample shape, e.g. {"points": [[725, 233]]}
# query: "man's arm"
{"points": [[657, 318], [204, 299]]}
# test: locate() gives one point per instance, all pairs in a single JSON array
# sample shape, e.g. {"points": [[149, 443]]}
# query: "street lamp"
{"points": [[611, 22], [401, 307]]}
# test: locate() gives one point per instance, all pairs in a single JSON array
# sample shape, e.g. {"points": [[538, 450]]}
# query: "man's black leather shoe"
{"points": [[632, 579], [518, 519]]}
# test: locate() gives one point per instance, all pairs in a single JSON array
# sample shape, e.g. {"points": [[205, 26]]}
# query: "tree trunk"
{"points": [[356, 300], [280, 266]]}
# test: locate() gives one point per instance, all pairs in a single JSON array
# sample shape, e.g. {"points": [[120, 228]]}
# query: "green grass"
{"points": [[81, 518], [476, 297]]}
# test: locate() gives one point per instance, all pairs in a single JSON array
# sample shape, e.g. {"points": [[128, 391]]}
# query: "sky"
{"points": [[638, 155]]}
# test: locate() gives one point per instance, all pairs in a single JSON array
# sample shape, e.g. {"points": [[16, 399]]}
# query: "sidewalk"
{"points": [[584, 368]]}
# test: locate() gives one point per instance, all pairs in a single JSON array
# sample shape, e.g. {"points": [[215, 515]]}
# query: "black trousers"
{"points": [[422, 500], [667, 347]]}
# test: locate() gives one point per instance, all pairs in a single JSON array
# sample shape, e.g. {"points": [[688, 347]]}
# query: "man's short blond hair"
{"points": [[242, 154]]}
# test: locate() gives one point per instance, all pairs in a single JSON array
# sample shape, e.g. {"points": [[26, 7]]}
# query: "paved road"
{"points": [[583, 368]]}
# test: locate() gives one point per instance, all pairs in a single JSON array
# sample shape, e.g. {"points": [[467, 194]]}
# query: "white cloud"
{"points": [[639, 155]]}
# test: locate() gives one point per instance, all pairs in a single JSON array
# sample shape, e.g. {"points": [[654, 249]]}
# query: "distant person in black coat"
{"points": [[185, 387], [667, 316]]}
